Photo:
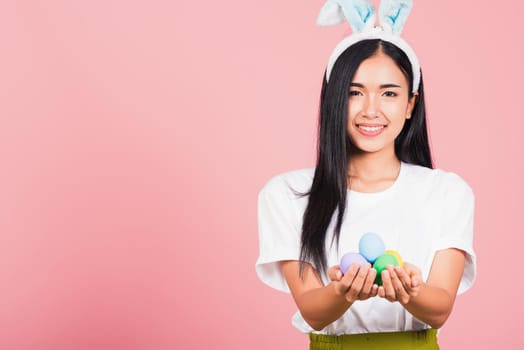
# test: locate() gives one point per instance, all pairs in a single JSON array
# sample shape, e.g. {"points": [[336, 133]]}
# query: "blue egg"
{"points": [[371, 246], [348, 259]]}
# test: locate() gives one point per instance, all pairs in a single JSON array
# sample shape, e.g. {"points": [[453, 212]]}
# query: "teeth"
{"points": [[371, 128]]}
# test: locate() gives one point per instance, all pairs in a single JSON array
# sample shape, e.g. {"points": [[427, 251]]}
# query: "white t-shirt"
{"points": [[425, 210]]}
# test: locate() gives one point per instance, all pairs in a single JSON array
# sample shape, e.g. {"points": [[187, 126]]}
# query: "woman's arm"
{"points": [[321, 305], [430, 302]]}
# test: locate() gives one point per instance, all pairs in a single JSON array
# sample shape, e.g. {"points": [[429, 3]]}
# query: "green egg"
{"points": [[381, 263]]}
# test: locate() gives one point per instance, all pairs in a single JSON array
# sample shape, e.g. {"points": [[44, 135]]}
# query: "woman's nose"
{"points": [[371, 107]]}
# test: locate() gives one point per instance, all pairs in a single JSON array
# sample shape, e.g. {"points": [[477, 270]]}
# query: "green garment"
{"points": [[420, 340]]}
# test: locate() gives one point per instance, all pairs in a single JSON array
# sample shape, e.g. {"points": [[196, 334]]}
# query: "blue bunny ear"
{"points": [[359, 13], [393, 14]]}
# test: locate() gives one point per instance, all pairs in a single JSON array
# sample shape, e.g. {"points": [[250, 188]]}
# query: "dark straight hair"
{"points": [[327, 196]]}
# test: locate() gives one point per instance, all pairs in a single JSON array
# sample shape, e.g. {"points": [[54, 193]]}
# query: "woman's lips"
{"points": [[370, 130]]}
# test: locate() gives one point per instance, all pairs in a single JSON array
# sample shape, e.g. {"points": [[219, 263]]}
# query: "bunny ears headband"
{"points": [[361, 16]]}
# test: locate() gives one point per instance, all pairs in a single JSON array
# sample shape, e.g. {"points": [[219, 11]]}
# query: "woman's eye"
{"points": [[354, 93], [390, 94]]}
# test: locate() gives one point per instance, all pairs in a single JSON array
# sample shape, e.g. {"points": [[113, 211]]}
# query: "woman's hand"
{"points": [[400, 284], [320, 304], [356, 284]]}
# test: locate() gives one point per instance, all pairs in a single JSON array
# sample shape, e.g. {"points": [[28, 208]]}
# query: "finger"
{"points": [[381, 292], [334, 273], [396, 280], [349, 276], [412, 270], [400, 290], [409, 266], [415, 282], [374, 290], [358, 283], [388, 286], [368, 283], [414, 275], [403, 277]]}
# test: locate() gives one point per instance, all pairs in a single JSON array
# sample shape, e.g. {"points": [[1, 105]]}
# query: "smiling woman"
{"points": [[374, 173], [379, 104]]}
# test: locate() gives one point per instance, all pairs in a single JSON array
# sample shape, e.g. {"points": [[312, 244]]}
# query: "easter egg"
{"points": [[371, 246], [348, 259], [396, 255], [381, 263]]}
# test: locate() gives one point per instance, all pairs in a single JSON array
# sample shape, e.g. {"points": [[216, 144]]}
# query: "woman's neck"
{"points": [[372, 172]]}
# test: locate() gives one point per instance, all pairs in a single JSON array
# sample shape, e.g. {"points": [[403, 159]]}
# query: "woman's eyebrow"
{"points": [[383, 86]]}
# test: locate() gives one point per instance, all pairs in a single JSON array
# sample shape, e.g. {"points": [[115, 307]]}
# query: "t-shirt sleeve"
{"points": [[279, 229], [457, 227]]}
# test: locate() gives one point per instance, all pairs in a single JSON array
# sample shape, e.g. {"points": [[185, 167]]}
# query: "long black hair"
{"points": [[327, 196]]}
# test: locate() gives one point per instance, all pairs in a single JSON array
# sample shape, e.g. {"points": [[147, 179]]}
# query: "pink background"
{"points": [[135, 136]]}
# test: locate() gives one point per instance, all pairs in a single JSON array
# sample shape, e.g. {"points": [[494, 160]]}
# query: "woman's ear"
{"points": [[411, 104]]}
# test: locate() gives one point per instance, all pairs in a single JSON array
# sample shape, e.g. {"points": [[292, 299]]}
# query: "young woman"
{"points": [[373, 174]]}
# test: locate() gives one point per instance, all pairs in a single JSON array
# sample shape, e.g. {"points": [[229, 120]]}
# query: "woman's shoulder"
{"points": [[436, 178], [290, 181]]}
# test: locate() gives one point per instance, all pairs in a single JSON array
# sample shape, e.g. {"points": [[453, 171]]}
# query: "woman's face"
{"points": [[379, 104]]}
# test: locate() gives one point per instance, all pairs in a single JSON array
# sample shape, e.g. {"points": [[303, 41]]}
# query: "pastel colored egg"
{"points": [[349, 258], [381, 263], [371, 246], [397, 256]]}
